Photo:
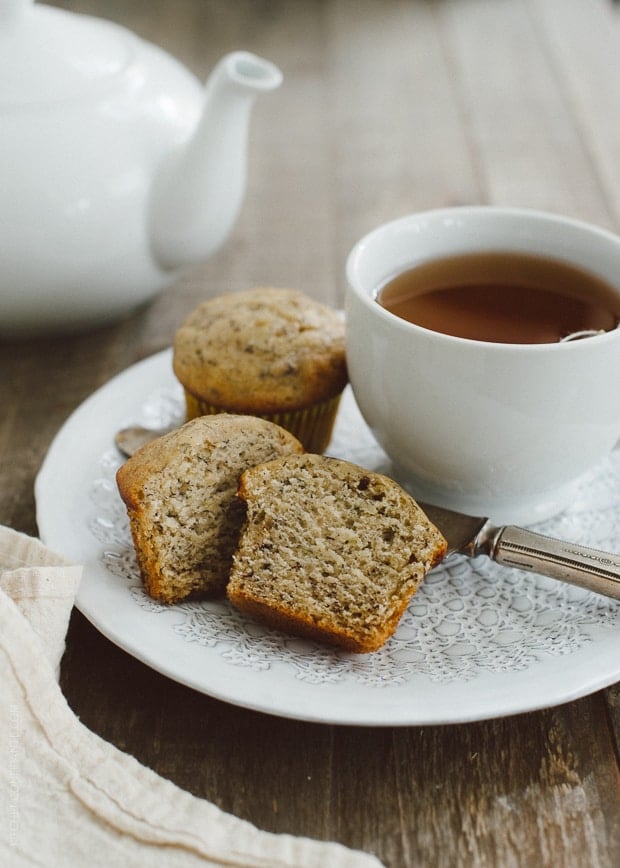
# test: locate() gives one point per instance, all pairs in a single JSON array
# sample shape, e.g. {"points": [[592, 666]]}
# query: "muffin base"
{"points": [[312, 425]]}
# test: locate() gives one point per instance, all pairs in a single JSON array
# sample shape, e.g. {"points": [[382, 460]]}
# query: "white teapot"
{"points": [[118, 168]]}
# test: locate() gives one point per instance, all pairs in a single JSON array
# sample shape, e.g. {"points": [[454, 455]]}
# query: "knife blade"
{"points": [[458, 529], [523, 549]]}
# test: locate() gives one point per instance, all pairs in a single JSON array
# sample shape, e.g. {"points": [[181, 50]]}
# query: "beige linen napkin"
{"points": [[70, 799]]}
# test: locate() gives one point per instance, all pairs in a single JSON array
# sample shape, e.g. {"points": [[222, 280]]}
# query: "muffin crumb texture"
{"points": [[180, 495], [330, 551]]}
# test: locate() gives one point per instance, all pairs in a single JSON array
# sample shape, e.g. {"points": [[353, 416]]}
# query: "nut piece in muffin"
{"points": [[330, 551], [180, 495], [269, 352]]}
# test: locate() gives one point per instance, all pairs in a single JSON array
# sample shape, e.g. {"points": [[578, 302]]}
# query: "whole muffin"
{"points": [[268, 352]]}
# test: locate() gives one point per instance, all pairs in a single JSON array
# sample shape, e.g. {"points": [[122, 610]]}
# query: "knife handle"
{"points": [[516, 547]]}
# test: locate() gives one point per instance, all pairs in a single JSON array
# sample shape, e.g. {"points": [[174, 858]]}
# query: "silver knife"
{"points": [[507, 545], [526, 550]]}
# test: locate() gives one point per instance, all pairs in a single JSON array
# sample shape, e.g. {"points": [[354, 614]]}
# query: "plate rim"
{"points": [[150, 367]]}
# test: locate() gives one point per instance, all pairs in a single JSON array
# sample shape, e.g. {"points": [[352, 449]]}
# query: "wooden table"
{"points": [[388, 106]]}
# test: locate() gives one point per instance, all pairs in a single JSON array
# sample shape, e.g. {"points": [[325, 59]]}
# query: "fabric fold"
{"points": [[67, 797]]}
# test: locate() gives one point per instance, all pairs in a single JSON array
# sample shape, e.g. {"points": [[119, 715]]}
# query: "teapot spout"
{"points": [[198, 190]]}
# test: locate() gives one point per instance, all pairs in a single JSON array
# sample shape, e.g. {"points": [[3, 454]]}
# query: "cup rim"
{"points": [[502, 212]]}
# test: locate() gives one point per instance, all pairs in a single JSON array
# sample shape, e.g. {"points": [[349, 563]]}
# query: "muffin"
{"points": [[329, 551], [273, 353], [180, 494]]}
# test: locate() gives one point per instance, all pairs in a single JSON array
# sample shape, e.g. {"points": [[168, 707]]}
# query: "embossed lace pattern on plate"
{"points": [[469, 616]]}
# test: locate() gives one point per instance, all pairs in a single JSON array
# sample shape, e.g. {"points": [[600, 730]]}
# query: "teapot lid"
{"points": [[49, 54]]}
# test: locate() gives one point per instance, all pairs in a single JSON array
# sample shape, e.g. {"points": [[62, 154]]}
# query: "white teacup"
{"points": [[496, 429]]}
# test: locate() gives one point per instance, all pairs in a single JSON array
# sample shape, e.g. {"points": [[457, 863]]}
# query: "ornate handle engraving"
{"points": [[515, 547]]}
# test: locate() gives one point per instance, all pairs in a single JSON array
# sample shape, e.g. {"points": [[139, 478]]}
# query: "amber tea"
{"points": [[503, 297]]}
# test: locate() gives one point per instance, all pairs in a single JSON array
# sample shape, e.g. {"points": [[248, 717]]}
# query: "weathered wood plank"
{"points": [[399, 143], [528, 147], [583, 43]]}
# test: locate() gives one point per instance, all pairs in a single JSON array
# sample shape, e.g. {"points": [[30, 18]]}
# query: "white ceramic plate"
{"points": [[478, 640]]}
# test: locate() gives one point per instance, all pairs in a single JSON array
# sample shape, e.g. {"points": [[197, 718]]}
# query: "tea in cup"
{"points": [[484, 353]]}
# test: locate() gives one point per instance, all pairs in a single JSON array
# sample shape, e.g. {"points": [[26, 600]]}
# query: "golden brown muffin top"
{"points": [[262, 351], [242, 441]]}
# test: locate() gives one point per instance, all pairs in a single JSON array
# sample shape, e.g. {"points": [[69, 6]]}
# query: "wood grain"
{"points": [[388, 106]]}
